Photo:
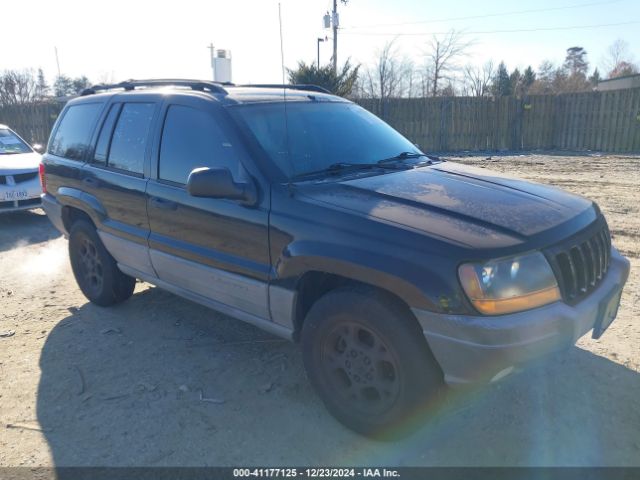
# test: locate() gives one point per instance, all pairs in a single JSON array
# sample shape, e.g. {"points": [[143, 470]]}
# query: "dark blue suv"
{"points": [[307, 216]]}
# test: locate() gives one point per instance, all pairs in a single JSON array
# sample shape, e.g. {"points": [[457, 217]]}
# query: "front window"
{"points": [[314, 135], [10, 143]]}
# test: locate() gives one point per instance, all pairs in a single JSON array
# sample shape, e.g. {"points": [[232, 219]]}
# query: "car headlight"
{"points": [[510, 284]]}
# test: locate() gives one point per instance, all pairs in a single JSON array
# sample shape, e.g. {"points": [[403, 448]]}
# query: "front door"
{"points": [[215, 248]]}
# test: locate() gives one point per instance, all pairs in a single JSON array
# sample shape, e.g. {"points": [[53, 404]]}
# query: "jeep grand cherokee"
{"points": [[307, 216]]}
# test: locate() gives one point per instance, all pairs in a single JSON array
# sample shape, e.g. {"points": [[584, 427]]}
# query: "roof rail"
{"points": [[200, 85], [308, 88]]}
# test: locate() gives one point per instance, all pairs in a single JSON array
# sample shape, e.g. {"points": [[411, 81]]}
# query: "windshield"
{"points": [[321, 135], [11, 143]]}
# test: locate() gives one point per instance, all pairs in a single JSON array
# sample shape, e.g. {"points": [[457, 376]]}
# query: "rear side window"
{"points": [[192, 138], [104, 140], [129, 140], [71, 139]]}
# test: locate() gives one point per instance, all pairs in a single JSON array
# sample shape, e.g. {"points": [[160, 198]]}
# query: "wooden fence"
{"points": [[601, 121], [32, 122]]}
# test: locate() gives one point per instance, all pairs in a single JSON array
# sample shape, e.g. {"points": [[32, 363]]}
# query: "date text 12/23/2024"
{"points": [[315, 473]]}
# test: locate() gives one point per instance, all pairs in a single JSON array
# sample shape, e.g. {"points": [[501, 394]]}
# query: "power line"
{"points": [[481, 32], [488, 15]]}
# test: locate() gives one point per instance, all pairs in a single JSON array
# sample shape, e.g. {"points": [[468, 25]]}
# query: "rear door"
{"points": [[215, 248], [117, 174]]}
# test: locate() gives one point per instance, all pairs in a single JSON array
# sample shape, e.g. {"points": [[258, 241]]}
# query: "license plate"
{"points": [[607, 313], [15, 195]]}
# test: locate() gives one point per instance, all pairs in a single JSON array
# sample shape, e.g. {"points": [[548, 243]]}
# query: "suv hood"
{"points": [[470, 206], [19, 163]]}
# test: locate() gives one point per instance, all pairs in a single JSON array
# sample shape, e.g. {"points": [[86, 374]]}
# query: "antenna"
{"points": [[284, 93], [281, 44]]}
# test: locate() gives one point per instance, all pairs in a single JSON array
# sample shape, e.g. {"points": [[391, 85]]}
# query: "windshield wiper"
{"points": [[403, 156], [340, 167]]}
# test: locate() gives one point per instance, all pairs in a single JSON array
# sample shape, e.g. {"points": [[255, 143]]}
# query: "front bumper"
{"points": [[30, 196], [476, 349]]}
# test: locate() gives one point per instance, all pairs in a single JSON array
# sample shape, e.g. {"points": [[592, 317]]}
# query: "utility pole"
{"points": [[334, 24], [57, 60], [211, 52]]}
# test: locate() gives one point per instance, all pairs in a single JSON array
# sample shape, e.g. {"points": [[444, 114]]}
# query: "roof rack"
{"points": [[308, 88], [127, 85]]}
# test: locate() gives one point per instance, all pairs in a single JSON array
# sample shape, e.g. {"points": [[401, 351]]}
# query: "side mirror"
{"points": [[219, 183], [37, 147]]}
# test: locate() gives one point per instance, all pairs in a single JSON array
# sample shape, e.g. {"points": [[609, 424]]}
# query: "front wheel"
{"points": [[369, 362], [95, 270]]}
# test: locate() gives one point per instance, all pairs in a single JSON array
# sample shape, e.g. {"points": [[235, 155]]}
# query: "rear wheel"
{"points": [[368, 360], [95, 270]]}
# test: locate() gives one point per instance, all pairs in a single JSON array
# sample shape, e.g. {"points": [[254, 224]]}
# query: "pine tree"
{"points": [[528, 78], [595, 78], [576, 62], [515, 80], [42, 88], [501, 83]]}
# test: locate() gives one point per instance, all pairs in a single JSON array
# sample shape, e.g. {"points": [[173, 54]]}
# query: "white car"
{"points": [[20, 187]]}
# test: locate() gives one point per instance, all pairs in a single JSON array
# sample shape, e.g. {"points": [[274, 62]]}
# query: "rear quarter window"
{"points": [[71, 138]]}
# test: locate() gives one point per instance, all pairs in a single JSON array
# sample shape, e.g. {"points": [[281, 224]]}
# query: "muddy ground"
{"points": [[161, 381]]}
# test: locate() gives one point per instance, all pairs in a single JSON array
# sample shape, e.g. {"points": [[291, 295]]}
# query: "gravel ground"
{"points": [[161, 381]]}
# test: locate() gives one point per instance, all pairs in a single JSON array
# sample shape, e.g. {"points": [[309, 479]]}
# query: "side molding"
{"points": [[127, 252], [255, 320]]}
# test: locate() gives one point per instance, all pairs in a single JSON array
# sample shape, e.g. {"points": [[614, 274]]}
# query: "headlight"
{"points": [[510, 284]]}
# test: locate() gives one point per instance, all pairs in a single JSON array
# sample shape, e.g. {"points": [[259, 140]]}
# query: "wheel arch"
{"points": [[314, 284], [77, 204]]}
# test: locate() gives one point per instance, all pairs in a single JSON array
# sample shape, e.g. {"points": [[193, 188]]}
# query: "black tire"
{"points": [[96, 271], [368, 360]]}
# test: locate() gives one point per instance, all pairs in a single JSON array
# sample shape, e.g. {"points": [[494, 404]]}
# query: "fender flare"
{"points": [[73, 197], [355, 264]]}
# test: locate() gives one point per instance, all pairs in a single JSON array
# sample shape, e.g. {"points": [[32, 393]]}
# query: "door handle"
{"points": [[90, 181], [163, 204]]}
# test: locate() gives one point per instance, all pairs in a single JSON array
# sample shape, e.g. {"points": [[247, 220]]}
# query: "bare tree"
{"points": [[477, 79], [18, 87], [618, 60], [442, 56], [617, 53], [387, 77]]}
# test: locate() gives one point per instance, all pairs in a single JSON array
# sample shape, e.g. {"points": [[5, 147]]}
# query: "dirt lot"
{"points": [[83, 385]]}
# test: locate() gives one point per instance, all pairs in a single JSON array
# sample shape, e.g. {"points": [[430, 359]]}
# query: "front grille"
{"points": [[20, 203], [24, 177], [581, 263], [31, 201], [18, 178]]}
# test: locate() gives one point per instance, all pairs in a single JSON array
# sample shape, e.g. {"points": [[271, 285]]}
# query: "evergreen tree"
{"points": [[501, 83], [42, 88], [576, 62], [594, 79], [515, 80], [63, 86], [528, 78], [340, 83]]}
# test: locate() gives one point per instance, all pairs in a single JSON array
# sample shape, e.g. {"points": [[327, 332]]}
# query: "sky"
{"points": [[121, 39]]}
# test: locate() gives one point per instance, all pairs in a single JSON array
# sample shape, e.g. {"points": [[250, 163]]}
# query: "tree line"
{"points": [[391, 75], [444, 73], [19, 87]]}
